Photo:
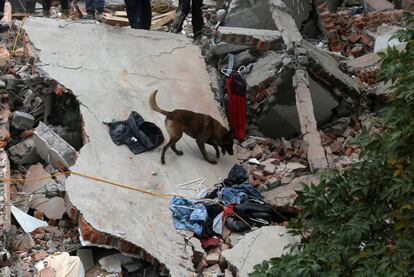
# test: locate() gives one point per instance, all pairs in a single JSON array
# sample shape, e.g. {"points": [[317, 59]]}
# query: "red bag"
{"points": [[236, 111]]}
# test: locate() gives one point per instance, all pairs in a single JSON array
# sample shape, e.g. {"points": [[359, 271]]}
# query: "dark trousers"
{"points": [[139, 13], [94, 5], [182, 12], [2, 6], [64, 4]]}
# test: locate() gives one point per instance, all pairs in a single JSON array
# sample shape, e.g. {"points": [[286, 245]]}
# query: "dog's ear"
{"points": [[223, 151]]}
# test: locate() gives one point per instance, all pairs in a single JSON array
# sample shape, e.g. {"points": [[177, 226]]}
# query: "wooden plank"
{"points": [[166, 19], [120, 13], [116, 20], [156, 23]]}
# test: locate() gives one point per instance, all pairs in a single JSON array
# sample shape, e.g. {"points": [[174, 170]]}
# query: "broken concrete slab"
{"points": [[384, 38], [120, 79], [280, 121], [285, 195], [257, 38], [330, 65], [52, 148], [322, 100], [243, 58], [27, 222], [37, 178], [222, 49], [299, 9], [315, 152], [253, 14], [284, 21], [264, 70], [257, 246], [24, 152], [22, 120], [378, 5]]}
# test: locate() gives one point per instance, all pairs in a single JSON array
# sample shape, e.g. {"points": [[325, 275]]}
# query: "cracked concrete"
{"points": [[112, 71], [266, 243]]}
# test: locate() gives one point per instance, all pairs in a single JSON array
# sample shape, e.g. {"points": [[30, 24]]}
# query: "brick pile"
{"points": [[350, 34]]}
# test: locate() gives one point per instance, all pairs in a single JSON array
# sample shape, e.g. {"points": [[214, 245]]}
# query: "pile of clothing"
{"points": [[233, 203]]}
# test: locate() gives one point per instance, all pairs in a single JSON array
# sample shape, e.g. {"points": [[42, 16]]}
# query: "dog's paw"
{"points": [[212, 161], [163, 162], [179, 153], [217, 155]]}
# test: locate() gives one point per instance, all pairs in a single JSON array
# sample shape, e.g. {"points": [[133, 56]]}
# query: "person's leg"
{"points": [[139, 13], [90, 7], [100, 6], [146, 15], [2, 6], [46, 4], [64, 4], [182, 12], [197, 20]]}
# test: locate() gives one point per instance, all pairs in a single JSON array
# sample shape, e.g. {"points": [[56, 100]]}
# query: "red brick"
{"points": [[85, 228], [354, 37], [39, 256]]}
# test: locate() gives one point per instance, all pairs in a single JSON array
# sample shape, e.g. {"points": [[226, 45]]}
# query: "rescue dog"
{"points": [[203, 128]]}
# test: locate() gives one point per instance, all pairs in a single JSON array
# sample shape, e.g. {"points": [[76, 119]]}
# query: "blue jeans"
{"points": [[94, 5]]}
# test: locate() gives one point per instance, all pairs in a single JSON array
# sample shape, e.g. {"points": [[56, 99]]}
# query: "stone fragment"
{"points": [[213, 258], [264, 70], [285, 195], [24, 152], [212, 271], [52, 148], [269, 169], [26, 243], [257, 152], [266, 243], [250, 14], [284, 21]]}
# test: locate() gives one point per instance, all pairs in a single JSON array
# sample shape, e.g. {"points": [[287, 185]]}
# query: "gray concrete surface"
{"points": [[112, 71], [258, 246]]}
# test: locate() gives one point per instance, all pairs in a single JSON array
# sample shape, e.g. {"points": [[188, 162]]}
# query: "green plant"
{"points": [[361, 222]]}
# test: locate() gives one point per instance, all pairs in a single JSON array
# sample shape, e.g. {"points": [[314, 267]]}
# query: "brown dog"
{"points": [[203, 128]]}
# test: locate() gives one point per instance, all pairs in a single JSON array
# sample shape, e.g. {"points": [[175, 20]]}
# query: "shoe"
{"points": [[65, 14], [197, 37], [46, 13], [100, 17], [88, 16]]}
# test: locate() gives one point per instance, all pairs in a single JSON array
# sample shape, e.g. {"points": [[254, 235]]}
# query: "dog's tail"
{"points": [[153, 104]]}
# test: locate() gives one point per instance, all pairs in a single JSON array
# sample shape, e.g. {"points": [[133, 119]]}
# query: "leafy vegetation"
{"points": [[361, 222]]}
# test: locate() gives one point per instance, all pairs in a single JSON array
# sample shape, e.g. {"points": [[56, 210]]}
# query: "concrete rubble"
{"points": [[259, 245], [310, 69]]}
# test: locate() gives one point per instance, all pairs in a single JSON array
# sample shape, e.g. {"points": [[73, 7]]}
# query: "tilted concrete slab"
{"points": [[112, 71], [260, 245]]}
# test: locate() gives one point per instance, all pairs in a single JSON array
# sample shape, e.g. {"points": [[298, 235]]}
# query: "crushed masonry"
{"points": [[311, 87]]}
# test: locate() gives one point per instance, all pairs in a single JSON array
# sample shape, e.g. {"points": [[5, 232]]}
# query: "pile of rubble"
{"points": [[41, 132], [307, 99]]}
